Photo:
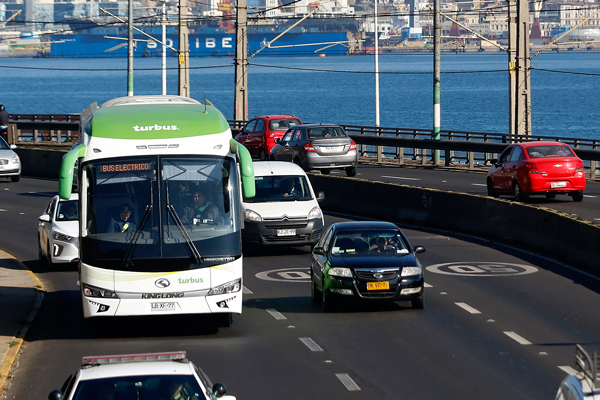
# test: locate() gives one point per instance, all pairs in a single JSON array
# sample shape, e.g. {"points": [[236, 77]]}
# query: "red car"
{"points": [[259, 134], [547, 168]]}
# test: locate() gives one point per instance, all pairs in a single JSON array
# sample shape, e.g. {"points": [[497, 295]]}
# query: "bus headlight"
{"points": [[92, 291], [252, 216], [229, 287]]}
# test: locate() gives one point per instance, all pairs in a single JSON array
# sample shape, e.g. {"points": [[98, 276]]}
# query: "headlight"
{"points": [[315, 213], [410, 271], [252, 216], [92, 291], [344, 272], [61, 236], [229, 287], [15, 159]]}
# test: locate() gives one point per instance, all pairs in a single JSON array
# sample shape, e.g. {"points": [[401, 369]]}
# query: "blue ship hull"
{"points": [[201, 44]]}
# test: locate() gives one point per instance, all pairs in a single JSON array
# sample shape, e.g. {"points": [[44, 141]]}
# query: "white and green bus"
{"points": [[147, 245]]}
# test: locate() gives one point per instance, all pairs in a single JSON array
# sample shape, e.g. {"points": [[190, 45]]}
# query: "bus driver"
{"points": [[201, 211]]}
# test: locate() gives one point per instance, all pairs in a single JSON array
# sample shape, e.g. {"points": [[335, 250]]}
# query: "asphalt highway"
{"points": [[498, 323]]}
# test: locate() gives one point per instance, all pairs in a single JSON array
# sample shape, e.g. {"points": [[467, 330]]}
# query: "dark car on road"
{"points": [[260, 133], [318, 146], [367, 261]]}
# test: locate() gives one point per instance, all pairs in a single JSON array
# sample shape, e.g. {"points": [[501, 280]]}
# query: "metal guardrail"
{"points": [[456, 147]]}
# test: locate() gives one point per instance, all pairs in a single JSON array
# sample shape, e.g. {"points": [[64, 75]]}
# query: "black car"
{"points": [[365, 260]]}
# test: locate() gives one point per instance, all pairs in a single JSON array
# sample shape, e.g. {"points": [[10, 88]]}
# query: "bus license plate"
{"points": [[286, 232], [558, 184], [163, 306], [378, 285]]}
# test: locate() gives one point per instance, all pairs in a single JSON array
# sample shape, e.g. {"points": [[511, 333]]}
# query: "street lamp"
{"points": [[164, 49]]}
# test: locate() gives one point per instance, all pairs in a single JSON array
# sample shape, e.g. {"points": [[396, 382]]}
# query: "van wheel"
{"points": [[262, 155], [15, 178], [351, 171]]}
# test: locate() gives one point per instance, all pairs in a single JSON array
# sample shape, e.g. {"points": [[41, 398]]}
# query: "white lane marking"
{"points": [[276, 314], [518, 338], [568, 370], [468, 308], [1, 209], [427, 284], [478, 184], [310, 344], [589, 195], [401, 177], [245, 290], [348, 382]]}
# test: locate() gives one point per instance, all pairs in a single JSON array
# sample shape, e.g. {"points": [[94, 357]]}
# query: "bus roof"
{"points": [[155, 117]]}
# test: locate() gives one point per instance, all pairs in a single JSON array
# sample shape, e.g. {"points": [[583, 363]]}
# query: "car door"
{"points": [[46, 227], [514, 169], [255, 138], [286, 151], [246, 131], [499, 177]]}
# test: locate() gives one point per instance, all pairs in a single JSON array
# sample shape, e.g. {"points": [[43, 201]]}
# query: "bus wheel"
{"points": [[224, 320]]}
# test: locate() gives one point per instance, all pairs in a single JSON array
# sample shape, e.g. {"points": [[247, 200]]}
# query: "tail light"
{"points": [[532, 168], [308, 147], [352, 146], [579, 167]]}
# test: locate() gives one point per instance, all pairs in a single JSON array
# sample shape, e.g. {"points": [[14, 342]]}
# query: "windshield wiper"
{"points": [[125, 262], [184, 233]]}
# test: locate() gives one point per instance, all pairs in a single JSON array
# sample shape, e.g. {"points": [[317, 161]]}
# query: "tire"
{"points": [[41, 257], [490, 189], [49, 254], [15, 178], [223, 320], [325, 171], [351, 171], [550, 195], [519, 195], [315, 294], [577, 196], [417, 304], [327, 302], [262, 155]]}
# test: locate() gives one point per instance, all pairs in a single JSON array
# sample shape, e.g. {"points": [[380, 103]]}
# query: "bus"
{"points": [[147, 244]]}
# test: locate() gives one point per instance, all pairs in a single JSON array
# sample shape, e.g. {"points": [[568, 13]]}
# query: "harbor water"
{"points": [[474, 88]]}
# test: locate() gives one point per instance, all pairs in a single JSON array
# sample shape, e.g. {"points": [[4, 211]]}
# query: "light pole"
{"points": [[164, 48]]}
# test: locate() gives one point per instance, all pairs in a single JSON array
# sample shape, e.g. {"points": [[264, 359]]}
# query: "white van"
{"points": [[285, 210]]}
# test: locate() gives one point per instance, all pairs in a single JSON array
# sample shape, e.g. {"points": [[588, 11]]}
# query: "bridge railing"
{"points": [[402, 145]]}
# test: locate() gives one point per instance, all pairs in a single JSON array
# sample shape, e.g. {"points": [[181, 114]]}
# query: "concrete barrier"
{"points": [[537, 229], [542, 230]]}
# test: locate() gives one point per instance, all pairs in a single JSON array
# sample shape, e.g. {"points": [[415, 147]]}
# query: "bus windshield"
{"points": [[160, 213]]}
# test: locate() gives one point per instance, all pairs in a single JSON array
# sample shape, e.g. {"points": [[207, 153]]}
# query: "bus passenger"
{"points": [[201, 211], [122, 222]]}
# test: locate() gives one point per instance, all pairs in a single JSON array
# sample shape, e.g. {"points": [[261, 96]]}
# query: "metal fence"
{"points": [[402, 145]]}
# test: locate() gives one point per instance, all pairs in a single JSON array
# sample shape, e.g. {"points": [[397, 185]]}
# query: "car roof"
{"points": [[166, 367], [315, 126], [74, 196], [267, 168], [364, 225], [276, 116], [542, 143]]}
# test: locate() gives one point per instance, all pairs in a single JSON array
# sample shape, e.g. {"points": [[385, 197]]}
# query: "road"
{"points": [[498, 323]]}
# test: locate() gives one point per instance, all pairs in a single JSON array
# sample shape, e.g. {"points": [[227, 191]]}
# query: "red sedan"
{"points": [[547, 168]]}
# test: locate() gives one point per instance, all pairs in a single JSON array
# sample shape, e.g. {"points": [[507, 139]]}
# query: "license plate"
{"points": [[163, 306], [286, 232], [378, 285], [330, 149], [558, 184]]}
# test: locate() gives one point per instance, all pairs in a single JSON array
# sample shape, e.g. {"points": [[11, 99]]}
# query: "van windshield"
{"points": [[280, 188]]}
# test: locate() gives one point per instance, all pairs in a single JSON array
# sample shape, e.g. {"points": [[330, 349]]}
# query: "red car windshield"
{"points": [[549, 151]]}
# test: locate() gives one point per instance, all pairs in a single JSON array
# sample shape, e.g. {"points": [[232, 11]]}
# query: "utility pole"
{"points": [[437, 30], [184, 52], [130, 49], [523, 90], [240, 98], [512, 65]]}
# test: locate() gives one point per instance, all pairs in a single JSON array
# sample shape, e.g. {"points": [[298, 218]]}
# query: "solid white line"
{"points": [[569, 370], [245, 290], [310, 344], [348, 382], [276, 314], [401, 177], [519, 339], [468, 308]]}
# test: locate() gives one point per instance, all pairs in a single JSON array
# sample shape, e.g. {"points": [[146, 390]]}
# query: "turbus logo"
{"points": [[156, 127], [190, 280]]}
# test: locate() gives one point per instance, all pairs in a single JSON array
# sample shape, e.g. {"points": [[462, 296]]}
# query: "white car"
{"points": [[285, 210], [139, 376], [585, 384], [10, 163], [58, 231]]}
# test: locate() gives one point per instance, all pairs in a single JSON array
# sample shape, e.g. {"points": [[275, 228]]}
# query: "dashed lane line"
{"points": [[401, 177], [348, 382], [310, 344], [478, 184], [468, 308], [518, 338], [245, 290], [425, 284], [276, 314], [569, 370]]}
